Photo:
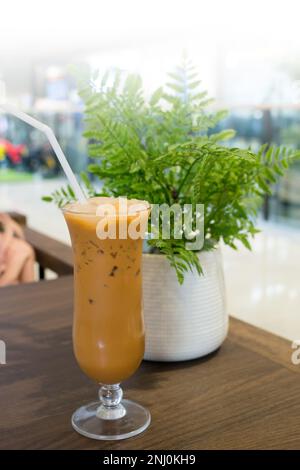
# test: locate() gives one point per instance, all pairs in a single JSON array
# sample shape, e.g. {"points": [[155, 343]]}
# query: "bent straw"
{"points": [[54, 144]]}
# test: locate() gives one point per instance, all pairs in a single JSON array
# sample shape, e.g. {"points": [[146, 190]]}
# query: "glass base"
{"points": [[127, 420]]}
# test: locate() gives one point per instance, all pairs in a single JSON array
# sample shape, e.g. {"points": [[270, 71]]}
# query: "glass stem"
{"points": [[111, 406]]}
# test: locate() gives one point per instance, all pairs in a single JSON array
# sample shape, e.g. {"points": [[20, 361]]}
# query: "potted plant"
{"points": [[164, 150]]}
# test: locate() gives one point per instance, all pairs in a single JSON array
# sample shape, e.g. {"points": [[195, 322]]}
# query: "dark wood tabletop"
{"points": [[246, 395]]}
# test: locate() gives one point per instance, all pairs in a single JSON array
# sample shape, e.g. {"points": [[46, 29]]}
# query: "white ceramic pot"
{"points": [[183, 321]]}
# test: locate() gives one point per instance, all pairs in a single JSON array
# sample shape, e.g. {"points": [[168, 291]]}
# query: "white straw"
{"points": [[54, 144]]}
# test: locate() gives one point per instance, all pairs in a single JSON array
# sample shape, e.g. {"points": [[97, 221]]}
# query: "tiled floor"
{"points": [[263, 285]]}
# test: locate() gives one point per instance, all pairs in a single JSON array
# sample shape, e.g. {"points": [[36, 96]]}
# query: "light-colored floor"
{"points": [[27, 199], [263, 286]]}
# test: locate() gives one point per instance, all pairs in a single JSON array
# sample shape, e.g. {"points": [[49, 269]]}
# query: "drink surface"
{"points": [[108, 329]]}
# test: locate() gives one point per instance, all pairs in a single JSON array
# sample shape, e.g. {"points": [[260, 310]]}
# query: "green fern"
{"points": [[164, 149]]}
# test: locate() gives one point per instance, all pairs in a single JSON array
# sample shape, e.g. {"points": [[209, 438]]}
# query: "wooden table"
{"points": [[246, 395]]}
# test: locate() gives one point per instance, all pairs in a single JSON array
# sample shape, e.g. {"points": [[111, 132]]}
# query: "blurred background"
{"points": [[247, 54]]}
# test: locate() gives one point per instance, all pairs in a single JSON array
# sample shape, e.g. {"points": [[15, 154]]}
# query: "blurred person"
{"points": [[42, 159], [16, 255]]}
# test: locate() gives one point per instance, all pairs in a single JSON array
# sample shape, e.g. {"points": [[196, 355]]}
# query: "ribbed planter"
{"points": [[183, 321]]}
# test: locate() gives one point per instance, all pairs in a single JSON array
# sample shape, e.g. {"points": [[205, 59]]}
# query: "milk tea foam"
{"points": [[108, 329]]}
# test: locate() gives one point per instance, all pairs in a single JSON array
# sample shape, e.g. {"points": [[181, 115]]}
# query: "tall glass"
{"points": [[108, 329]]}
